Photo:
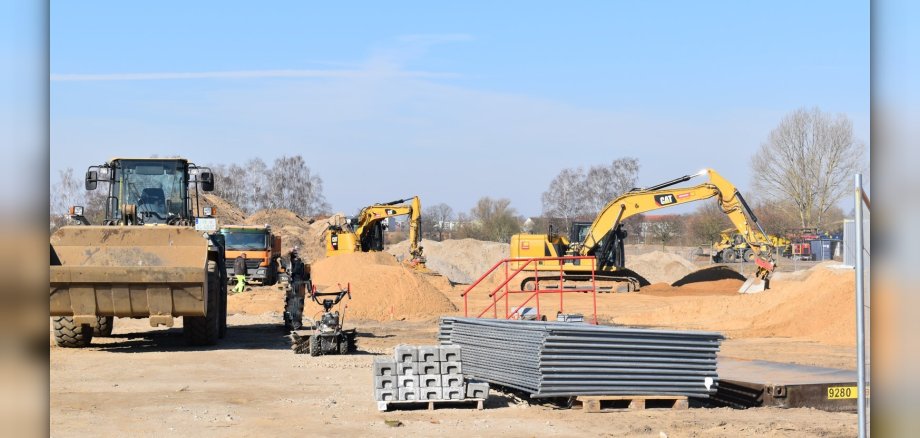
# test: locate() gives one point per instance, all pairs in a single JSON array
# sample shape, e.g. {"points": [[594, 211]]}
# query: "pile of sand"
{"points": [[660, 266], [460, 260], [382, 288], [818, 308], [226, 213]]}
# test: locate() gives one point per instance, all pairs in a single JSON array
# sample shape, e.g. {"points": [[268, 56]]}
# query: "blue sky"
{"points": [[451, 102]]}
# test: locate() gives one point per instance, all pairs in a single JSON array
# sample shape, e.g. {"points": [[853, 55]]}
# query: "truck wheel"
{"points": [[748, 255], [315, 345], [343, 344], [70, 335], [205, 330], [103, 326], [730, 256]]}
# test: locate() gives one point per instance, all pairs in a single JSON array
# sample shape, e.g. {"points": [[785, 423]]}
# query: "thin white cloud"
{"points": [[249, 74]]}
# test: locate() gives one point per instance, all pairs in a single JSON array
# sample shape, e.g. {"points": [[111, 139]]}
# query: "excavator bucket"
{"points": [[158, 272], [753, 285]]}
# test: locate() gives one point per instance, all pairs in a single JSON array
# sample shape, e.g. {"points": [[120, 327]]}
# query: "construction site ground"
{"points": [[146, 382]]}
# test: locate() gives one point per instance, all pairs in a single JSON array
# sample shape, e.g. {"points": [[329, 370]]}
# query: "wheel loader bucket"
{"points": [[158, 272], [754, 285]]}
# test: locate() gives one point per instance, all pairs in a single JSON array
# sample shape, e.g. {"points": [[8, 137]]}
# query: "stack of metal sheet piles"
{"points": [[549, 359]]}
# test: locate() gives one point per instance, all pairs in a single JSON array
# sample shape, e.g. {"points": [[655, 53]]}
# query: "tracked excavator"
{"points": [[364, 233], [604, 238], [157, 255]]}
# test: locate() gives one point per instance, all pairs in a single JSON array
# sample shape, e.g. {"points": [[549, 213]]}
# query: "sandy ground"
{"points": [[145, 382]]}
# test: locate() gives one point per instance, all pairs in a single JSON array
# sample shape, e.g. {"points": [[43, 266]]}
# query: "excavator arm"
{"points": [[664, 195], [373, 214]]}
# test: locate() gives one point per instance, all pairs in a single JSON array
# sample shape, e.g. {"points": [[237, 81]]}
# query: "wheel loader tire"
{"points": [[205, 330], [70, 335], [315, 345], [343, 345], [222, 292], [103, 326], [730, 256], [748, 255]]}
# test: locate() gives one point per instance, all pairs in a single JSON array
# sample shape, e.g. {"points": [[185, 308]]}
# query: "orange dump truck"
{"points": [[262, 249]]}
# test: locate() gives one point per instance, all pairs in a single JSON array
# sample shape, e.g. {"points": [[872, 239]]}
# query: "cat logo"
{"points": [[662, 200], [390, 211], [335, 241]]}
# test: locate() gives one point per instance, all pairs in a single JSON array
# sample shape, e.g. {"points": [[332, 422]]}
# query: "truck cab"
{"points": [[262, 249]]}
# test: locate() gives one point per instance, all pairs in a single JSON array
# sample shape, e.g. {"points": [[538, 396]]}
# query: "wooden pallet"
{"points": [[401, 404], [613, 403]]}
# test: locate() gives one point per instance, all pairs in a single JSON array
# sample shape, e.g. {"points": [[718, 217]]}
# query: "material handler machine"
{"points": [[156, 255]]}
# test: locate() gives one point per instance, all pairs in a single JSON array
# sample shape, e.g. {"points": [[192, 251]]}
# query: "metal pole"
{"points": [[860, 317]]}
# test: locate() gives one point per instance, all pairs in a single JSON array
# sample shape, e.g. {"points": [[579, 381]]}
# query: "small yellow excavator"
{"points": [[604, 238], [365, 232]]}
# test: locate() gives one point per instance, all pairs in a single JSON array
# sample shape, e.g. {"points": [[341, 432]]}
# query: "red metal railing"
{"points": [[503, 291]]}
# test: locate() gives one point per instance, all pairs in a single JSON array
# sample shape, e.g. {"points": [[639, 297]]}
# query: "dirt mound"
{"points": [[819, 308], [710, 274], [226, 213], [382, 288], [461, 260], [660, 266], [295, 230]]}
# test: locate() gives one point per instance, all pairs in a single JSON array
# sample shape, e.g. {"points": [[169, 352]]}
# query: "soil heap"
{"points": [[460, 260], [660, 266], [226, 213], [817, 308], [382, 288]]}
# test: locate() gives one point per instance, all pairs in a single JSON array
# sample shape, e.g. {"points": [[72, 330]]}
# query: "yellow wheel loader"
{"points": [[604, 238], [365, 232], [733, 248], [153, 257]]}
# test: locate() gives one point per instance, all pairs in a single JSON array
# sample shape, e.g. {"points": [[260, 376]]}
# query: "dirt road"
{"points": [[145, 382]]}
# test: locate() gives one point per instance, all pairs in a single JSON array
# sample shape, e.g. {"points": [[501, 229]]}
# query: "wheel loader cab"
{"points": [[148, 190]]}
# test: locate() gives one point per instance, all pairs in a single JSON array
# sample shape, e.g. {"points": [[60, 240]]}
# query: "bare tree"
{"points": [[565, 198], [603, 184], [435, 218], [294, 188], [808, 159], [665, 229], [706, 223], [495, 219], [64, 194]]}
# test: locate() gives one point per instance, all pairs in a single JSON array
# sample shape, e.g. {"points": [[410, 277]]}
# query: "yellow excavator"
{"points": [[604, 238], [364, 233]]}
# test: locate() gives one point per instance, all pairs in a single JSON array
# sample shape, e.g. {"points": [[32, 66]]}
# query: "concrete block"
{"points": [[430, 381], [408, 394], [429, 368], [385, 382], [386, 394], [477, 389], [452, 380], [405, 353], [449, 393], [407, 381], [451, 368], [430, 393], [407, 368], [384, 366], [450, 353], [429, 354]]}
